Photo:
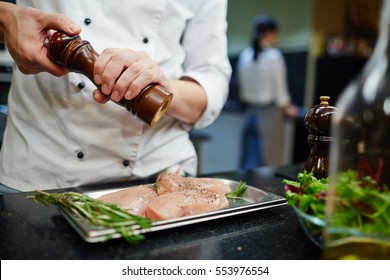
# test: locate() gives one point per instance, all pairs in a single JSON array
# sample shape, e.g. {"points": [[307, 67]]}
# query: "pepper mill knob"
{"points": [[79, 56], [318, 121]]}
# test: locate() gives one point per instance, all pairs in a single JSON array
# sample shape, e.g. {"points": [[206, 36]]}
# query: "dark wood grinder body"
{"points": [[318, 121], [79, 56]]}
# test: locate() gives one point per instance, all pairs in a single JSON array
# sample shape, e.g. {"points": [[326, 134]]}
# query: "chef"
{"points": [[61, 131]]}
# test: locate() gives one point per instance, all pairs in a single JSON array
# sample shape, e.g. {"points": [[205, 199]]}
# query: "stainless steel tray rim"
{"points": [[92, 233]]}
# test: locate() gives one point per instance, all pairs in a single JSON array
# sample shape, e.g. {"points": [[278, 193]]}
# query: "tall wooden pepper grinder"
{"points": [[79, 56], [318, 120]]}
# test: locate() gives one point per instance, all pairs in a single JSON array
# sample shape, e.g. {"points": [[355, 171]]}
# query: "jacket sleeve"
{"points": [[207, 62]]}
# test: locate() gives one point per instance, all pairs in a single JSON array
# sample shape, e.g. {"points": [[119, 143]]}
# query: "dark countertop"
{"points": [[31, 231]]}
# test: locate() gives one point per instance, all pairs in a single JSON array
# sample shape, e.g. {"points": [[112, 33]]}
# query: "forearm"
{"points": [[6, 10], [189, 101]]}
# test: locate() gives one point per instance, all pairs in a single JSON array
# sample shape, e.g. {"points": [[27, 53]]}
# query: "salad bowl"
{"points": [[311, 225]]}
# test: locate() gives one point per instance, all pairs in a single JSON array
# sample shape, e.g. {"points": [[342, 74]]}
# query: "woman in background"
{"points": [[263, 87]]}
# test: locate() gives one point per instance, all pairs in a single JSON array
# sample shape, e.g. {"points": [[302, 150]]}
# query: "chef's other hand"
{"points": [[25, 31], [124, 73], [291, 111]]}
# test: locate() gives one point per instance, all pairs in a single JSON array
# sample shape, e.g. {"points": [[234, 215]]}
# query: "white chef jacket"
{"points": [[263, 82], [57, 136]]}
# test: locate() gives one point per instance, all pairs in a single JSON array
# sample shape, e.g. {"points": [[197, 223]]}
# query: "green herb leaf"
{"points": [[237, 194]]}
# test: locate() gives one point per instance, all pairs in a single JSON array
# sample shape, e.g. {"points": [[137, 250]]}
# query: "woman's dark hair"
{"points": [[261, 24]]}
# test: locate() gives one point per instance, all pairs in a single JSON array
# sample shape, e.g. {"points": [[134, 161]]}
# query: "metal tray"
{"points": [[254, 199]]}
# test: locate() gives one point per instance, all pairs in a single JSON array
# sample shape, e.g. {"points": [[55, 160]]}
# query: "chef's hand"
{"points": [[123, 73], [24, 32]]}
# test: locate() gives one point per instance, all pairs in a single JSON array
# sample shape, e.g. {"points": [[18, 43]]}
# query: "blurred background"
{"points": [[325, 44]]}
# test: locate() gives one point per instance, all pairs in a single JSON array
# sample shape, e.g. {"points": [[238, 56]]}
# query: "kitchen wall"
{"points": [[300, 20], [294, 18]]}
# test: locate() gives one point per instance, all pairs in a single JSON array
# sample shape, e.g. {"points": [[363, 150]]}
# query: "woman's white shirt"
{"points": [[263, 82]]}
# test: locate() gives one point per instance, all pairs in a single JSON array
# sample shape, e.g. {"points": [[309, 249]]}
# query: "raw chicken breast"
{"points": [[172, 196], [134, 199], [171, 182], [212, 185], [184, 203]]}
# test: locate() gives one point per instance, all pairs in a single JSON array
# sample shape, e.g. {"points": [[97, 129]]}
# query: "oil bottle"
{"points": [[358, 200]]}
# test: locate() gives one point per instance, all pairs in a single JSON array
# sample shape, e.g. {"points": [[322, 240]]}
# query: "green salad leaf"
{"points": [[307, 193], [362, 203]]}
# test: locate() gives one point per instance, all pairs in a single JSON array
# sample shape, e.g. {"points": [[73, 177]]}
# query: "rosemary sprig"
{"points": [[237, 194], [97, 212]]}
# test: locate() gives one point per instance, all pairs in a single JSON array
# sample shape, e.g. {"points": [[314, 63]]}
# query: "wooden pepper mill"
{"points": [[79, 56], [318, 120]]}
